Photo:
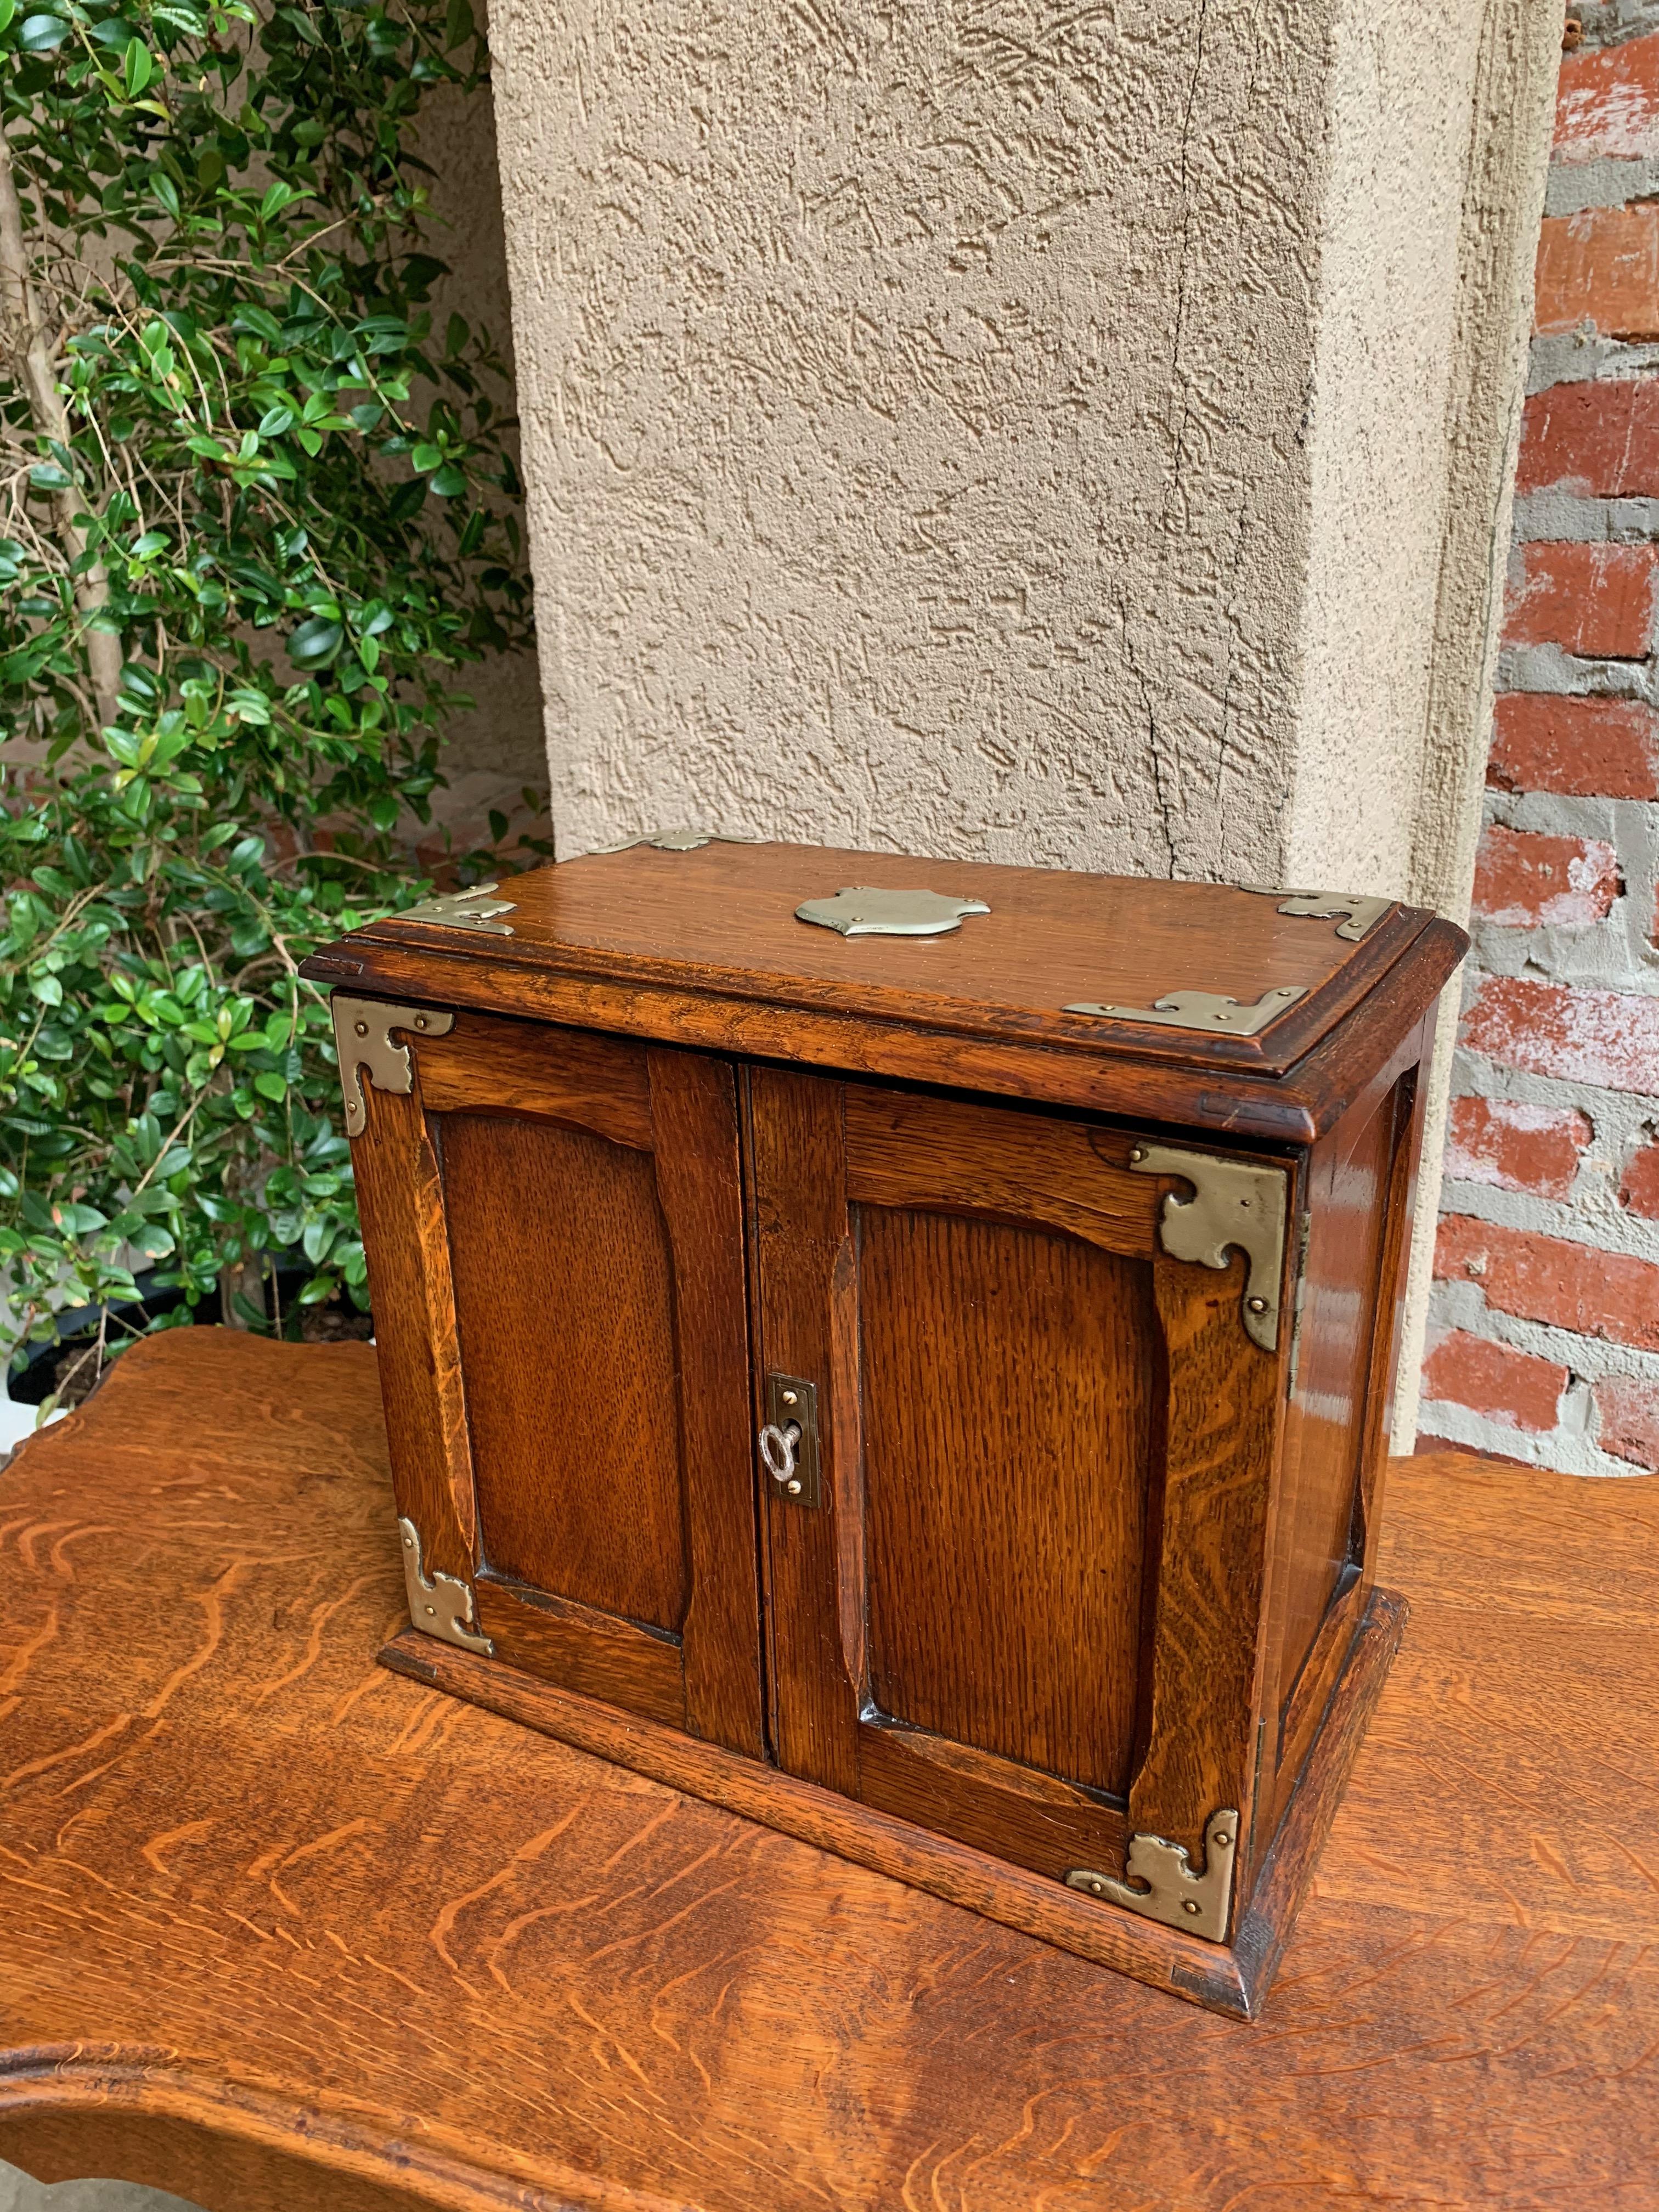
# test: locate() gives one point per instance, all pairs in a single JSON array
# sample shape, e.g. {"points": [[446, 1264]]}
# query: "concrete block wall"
{"points": [[1544, 1318]]}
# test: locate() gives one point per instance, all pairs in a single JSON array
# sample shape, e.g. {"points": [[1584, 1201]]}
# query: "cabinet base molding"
{"points": [[1226, 1977]]}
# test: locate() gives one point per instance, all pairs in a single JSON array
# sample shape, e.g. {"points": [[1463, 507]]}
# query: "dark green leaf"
{"points": [[316, 643], [40, 34]]}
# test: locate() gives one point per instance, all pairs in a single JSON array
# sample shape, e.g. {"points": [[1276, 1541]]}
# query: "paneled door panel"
{"points": [[568, 1356], [1007, 1422], [979, 1628], [593, 1243]]}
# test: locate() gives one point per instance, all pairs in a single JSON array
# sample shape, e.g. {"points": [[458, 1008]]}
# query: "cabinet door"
{"points": [[554, 1225], [1024, 1613]]}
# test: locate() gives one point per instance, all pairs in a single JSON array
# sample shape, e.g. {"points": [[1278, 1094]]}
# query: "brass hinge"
{"points": [[1174, 1894], [472, 909], [363, 1038], [1202, 1010], [439, 1604], [1362, 914], [1233, 1204]]}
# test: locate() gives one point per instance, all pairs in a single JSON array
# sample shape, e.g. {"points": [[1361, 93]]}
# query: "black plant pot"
{"points": [[31, 1384]]}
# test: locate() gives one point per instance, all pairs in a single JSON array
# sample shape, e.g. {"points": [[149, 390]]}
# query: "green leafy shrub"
{"points": [[255, 515]]}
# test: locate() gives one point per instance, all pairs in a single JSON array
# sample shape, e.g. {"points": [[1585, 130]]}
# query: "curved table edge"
{"points": [[61, 2105]]}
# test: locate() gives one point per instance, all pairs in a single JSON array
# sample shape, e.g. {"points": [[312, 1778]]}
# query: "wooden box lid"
{"points": [[703, 946]]}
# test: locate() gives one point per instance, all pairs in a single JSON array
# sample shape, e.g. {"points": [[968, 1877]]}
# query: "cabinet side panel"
{"points": [[564, 1298], [1008, 1385], [1334, 1443], [1320, 1532]]}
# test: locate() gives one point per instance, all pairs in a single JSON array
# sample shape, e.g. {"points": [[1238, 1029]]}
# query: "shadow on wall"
{"points": [[498, 750], [18, 2193]]}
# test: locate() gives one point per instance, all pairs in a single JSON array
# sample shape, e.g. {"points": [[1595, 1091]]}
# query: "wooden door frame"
{"points": [[680, 1107], [1215, 1463]]}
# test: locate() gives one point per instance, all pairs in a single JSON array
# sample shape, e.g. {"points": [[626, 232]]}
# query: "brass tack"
{"points": [[362, 1028], [1187, 1905], [1257, 1305], [432, 1608], [1223, 1841], [420, 1021]]}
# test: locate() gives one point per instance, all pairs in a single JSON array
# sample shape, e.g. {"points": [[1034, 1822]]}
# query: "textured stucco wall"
{"points": [[1436, 189], [914, 399], [996, 426], [1385, 315]]}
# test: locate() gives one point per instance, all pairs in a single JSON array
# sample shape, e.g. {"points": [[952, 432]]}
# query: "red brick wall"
{"points": [[1543, 1328]]}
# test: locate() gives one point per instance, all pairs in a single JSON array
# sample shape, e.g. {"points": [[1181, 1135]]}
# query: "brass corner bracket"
{"points": [[1233, 1203], [1361, 914], [473, 909], [1175, 1894], [1202, 1010], [363, 1038], [439, 1604]]}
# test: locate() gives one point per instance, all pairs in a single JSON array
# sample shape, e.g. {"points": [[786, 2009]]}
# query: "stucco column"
{"points": [[1051, 434]]}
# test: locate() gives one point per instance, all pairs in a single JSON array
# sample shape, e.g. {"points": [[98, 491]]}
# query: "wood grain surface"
{"points": [[278, 1928], [1008, 1384], [723, 918], [703, 948], [564, 1300]]}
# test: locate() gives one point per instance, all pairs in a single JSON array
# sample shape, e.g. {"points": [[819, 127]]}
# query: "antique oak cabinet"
{"points": [[902, 1348]]}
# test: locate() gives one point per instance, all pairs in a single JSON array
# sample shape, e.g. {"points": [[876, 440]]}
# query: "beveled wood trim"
{"points": [[488, 1066], [693, 1101], [622, 1663], [1263, 1931], [870, 1837], [961, 1156], [1326, 1001], [1290, 1731], [401, 1205], [1226, 1978], [995, 1805], [1221, 1443], [1114, 1075]]}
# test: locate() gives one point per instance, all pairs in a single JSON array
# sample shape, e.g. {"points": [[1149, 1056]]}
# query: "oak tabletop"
{"points": [[281, 1929]]}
